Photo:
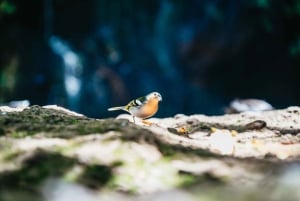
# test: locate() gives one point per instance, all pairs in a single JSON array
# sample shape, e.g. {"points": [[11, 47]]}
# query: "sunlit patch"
{"points": [[222, 142]]}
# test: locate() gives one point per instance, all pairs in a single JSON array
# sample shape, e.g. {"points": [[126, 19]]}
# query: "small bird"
{"points": [[143, 107]]}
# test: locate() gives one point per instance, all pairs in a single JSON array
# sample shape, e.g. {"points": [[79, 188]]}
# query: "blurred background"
{"points": [[199, 54]]}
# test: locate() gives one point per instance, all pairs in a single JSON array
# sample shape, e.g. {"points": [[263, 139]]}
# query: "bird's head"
{"points": [[154, 95]]}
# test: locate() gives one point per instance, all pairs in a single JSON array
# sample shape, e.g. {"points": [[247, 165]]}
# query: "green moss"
{"points": [[20, 195], [42, 165], [9, 154], [54, 123], [2, 131], [186, 180], [19, 134], [167, 150], [172, 150], [124, 182], [35, 169], [95, 176]]}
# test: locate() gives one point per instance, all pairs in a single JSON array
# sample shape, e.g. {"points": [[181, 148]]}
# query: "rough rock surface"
{"points": [[50, 153]]}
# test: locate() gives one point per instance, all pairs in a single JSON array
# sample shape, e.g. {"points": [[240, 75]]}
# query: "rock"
{"points": [[49, 151], [222, 142]]}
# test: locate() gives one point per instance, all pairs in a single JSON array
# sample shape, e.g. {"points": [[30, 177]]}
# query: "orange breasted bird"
{"points": [[143, 107]]}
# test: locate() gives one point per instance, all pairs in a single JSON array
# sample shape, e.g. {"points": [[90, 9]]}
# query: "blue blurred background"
{"points": [[199, 54]]}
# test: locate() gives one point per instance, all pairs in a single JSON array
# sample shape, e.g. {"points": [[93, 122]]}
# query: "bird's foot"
{"points": [[148, 123]]}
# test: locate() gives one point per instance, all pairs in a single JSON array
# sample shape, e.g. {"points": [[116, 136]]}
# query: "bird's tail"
{"points": [[116, 108]]}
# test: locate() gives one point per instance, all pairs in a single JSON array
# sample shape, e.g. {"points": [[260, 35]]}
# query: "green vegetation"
{"points": [[7, 7]]}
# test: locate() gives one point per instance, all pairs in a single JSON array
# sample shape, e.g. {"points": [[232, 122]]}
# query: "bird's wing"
{"points": [[141, 100], [136, 103]]}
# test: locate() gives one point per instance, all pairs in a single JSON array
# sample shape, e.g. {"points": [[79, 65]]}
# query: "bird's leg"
{"points": [[133, 119]]}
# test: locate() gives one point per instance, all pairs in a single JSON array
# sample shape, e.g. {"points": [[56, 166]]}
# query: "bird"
{"points": [[142, 107]]}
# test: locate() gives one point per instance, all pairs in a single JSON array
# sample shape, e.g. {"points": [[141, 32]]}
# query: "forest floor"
{"points": [[51, 153]]}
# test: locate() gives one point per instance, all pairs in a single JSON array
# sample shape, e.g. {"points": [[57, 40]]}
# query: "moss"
{"points": [[20, 195], [172, 150], [167, 150], [35, 169], [187, 180], [9, 154], [2, 131], [95, 176], [54, 123], [19, 134], [41, 165], [124, 182]]}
